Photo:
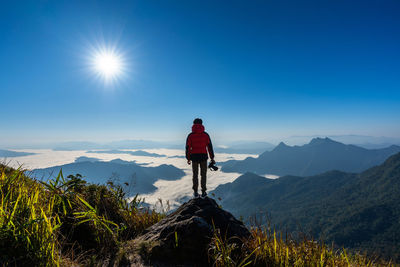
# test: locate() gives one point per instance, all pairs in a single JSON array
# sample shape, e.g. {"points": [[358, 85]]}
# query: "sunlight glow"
{"points": [[107, 64]]}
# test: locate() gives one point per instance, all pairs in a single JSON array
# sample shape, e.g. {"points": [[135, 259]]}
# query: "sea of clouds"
{"points": [[172, 191]]}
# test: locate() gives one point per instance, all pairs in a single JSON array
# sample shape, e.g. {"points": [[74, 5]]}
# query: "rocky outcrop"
{"points": [[183, 237]]}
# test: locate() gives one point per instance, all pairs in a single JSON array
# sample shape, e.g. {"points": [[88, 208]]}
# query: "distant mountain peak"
{"points": [[281, 144], [280, 147], [320, 140]]}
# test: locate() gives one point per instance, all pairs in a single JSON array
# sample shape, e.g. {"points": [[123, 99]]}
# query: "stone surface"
{"points": [[183, 237]]}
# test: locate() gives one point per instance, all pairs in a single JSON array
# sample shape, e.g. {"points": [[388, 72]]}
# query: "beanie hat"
{"points": [[197, 121]]}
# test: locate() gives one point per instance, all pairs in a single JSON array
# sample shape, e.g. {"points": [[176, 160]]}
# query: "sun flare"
{"points": [[107, 64]]}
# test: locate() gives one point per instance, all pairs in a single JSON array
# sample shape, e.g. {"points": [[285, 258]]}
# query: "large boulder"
{"points": [[183, 237]]}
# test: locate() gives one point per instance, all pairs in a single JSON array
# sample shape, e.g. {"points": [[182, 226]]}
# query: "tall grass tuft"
{"points": [[266, 247], [28, 225]]}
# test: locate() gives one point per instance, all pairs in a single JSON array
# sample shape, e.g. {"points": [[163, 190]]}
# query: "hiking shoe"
{"points": [[195, 194], [204, 194]]}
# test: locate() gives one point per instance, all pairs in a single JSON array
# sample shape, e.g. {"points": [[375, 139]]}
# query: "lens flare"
{"points": [[107, 64]]}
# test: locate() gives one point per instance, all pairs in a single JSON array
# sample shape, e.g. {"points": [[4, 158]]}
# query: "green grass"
{"points": [[28, 224], [65, 220]]}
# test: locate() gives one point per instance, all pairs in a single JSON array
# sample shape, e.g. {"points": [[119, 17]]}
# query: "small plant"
{"points": [[101, 225], [222, 250]]}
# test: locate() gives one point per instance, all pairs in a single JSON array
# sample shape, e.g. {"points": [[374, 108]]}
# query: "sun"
{"points": [[107, 64]]}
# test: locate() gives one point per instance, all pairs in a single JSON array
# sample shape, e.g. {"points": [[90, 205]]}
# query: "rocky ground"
{"points": [[183, 237]]}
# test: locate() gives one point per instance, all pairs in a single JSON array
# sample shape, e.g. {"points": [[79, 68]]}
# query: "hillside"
{"points": [[359, 211], [318, 156]]}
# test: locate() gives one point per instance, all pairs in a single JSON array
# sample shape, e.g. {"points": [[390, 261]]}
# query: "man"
{"points": [[198, 143]]}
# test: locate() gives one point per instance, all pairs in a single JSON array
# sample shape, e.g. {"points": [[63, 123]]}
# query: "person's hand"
{"points": [[213, 161], [188, 161]]}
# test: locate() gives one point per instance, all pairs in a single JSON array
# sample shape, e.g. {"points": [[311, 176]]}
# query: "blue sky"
{"points": [[251, 69]]}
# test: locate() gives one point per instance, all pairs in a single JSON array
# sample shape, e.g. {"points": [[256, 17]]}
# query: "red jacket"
{"points": [[197, 144]]}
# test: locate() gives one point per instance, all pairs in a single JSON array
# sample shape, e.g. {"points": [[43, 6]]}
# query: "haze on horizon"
{"points": [[251, 70]]}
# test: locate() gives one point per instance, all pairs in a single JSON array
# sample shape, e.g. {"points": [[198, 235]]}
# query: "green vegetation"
{"points": [[266, 247], [65, 220]]}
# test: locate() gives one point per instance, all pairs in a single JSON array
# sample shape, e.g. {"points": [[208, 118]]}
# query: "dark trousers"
{"points": [[203, 174]]}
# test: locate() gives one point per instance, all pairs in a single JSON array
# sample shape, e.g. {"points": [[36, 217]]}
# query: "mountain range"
{"points": [[10, 154], [364, 141], [139, 179], [245, 147], [319, 155], [133, 153], [359, 211]]}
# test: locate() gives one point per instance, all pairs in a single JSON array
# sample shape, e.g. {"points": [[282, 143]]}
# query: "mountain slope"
{"points": [[359, 211], [320, 155]]}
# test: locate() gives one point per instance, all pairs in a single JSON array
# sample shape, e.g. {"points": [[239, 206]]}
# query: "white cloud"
{"points": [[170, 191]]}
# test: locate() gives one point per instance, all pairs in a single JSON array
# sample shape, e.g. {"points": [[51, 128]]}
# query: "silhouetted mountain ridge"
{"points": [[318, 156]]}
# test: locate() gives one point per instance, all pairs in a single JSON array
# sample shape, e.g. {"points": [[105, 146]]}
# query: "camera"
{"points": [[212, 167]]}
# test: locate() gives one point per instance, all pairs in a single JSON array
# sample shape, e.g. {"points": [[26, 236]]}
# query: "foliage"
{"points": [[28, 225], [65, 220]]}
